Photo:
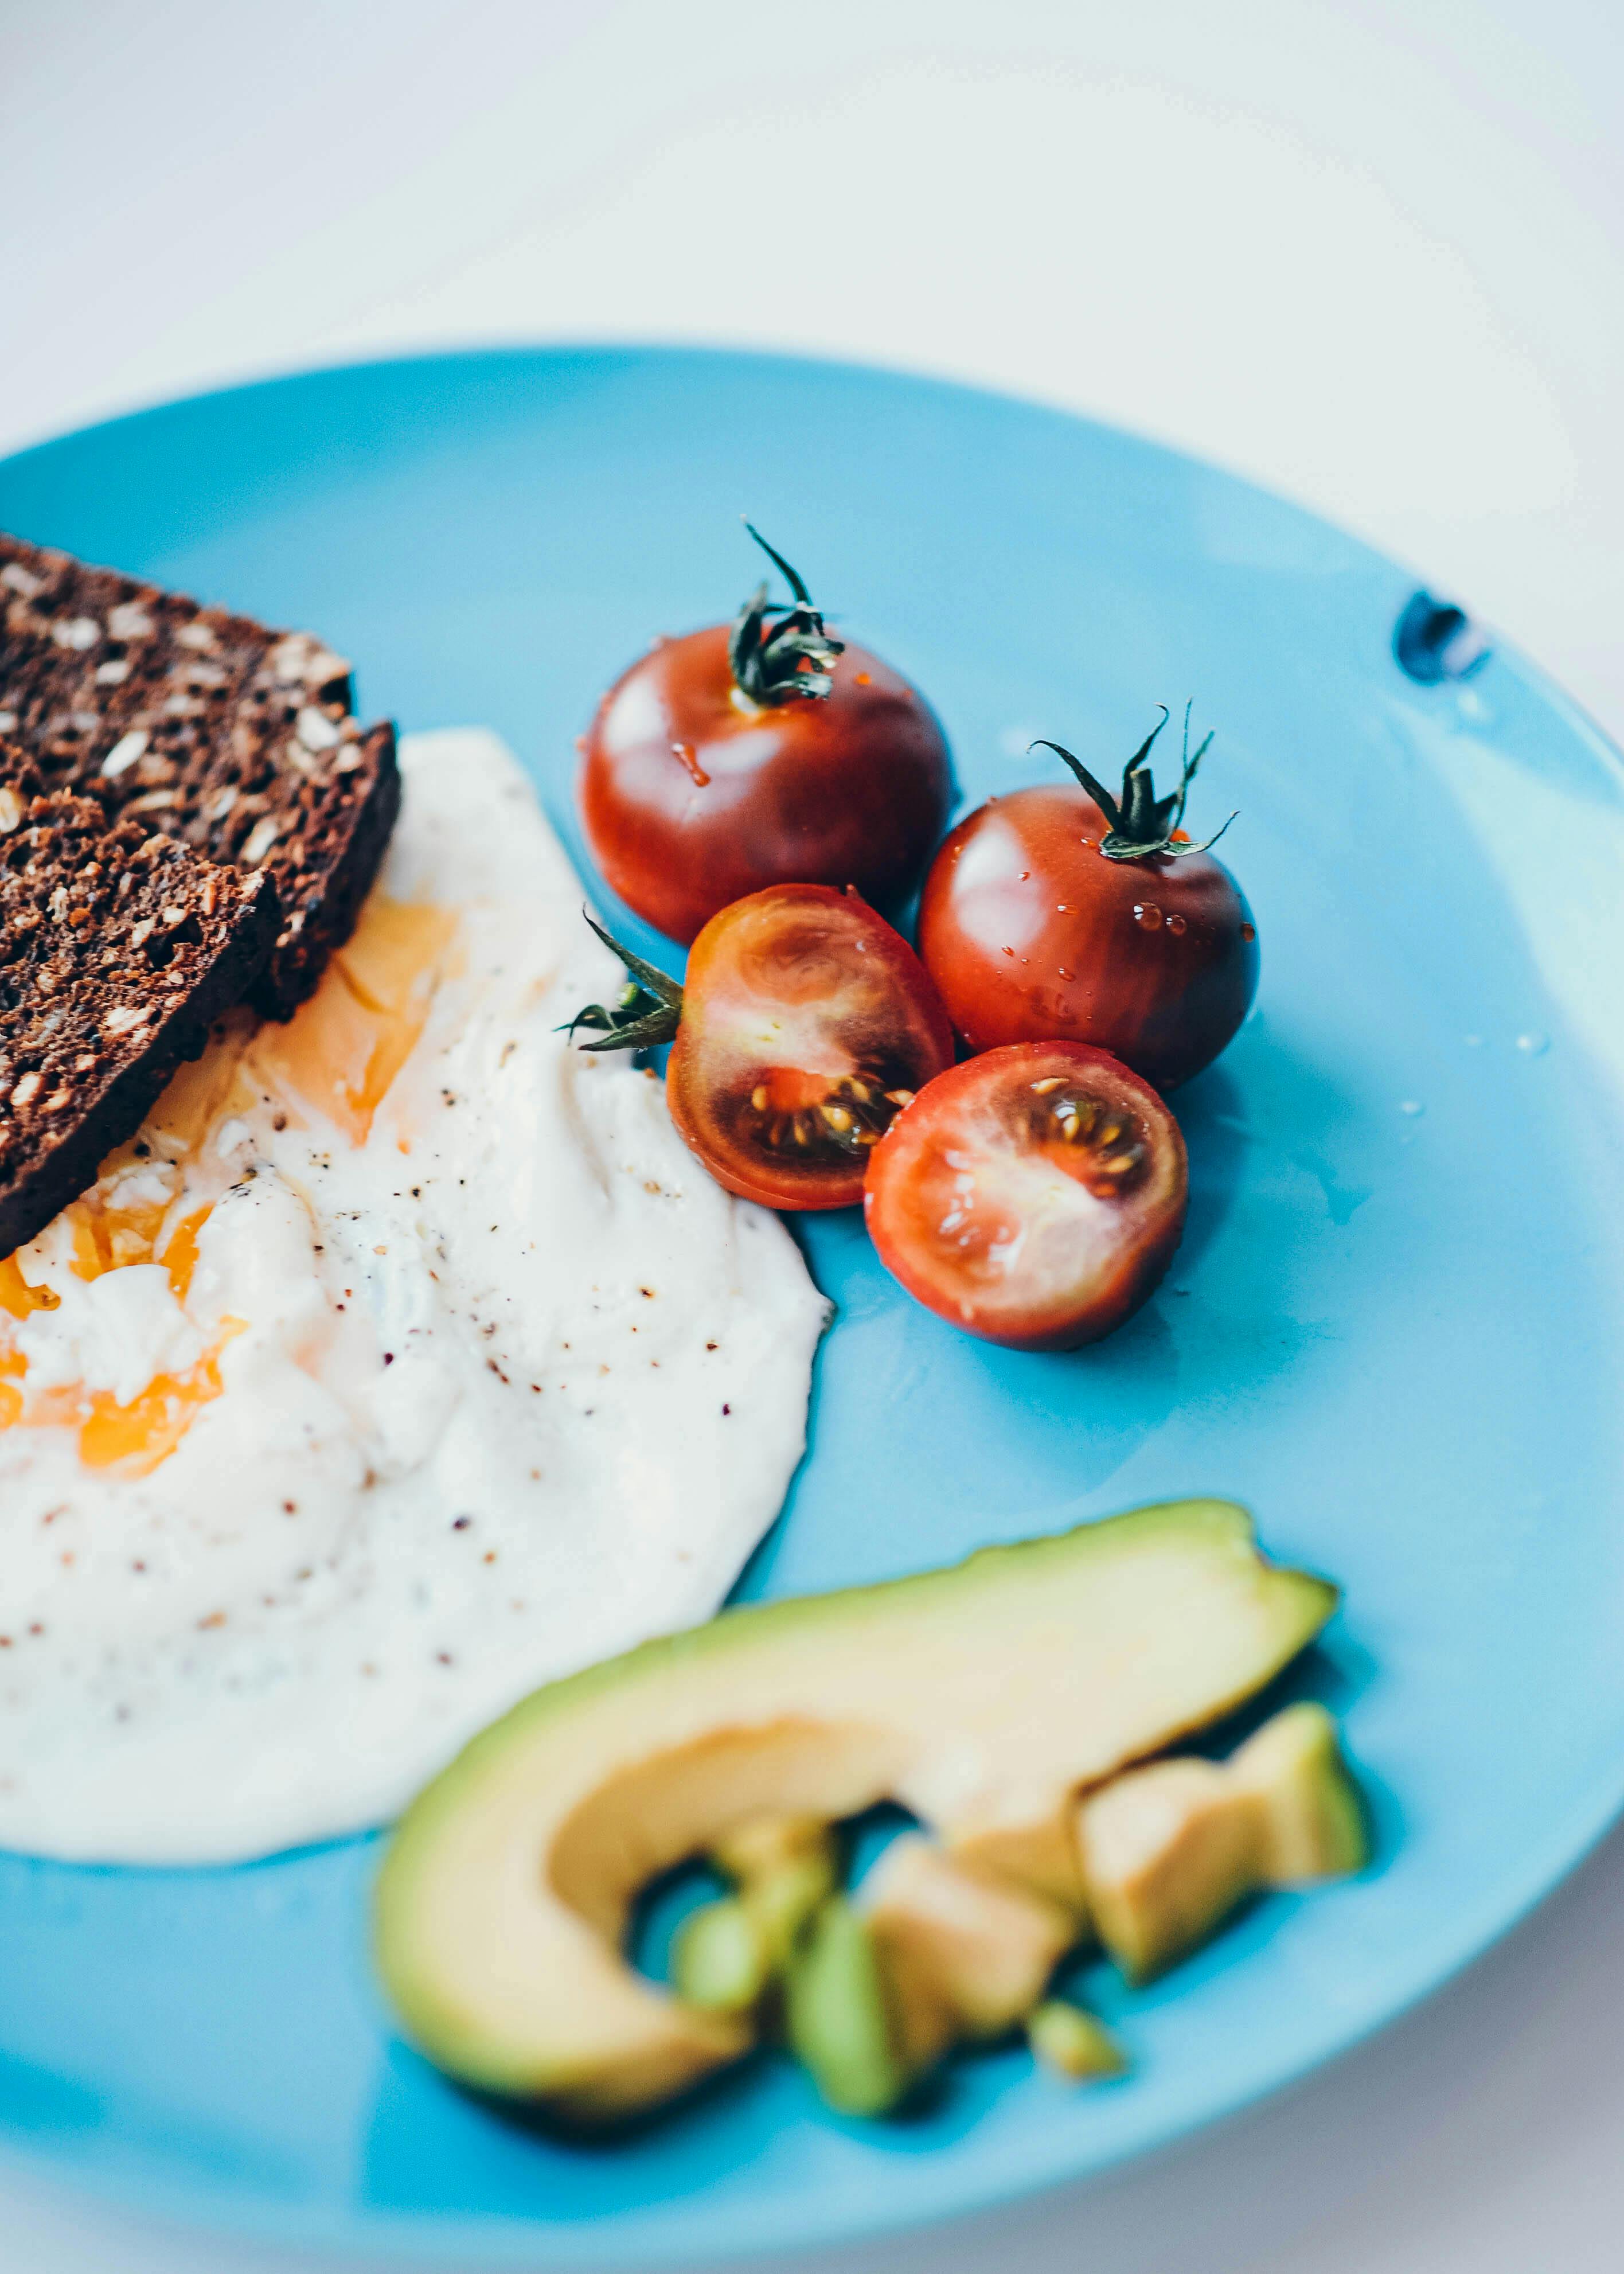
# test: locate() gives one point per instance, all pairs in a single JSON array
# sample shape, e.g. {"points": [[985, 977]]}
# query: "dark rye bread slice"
{"points": [[117, 947], [237, 739]]}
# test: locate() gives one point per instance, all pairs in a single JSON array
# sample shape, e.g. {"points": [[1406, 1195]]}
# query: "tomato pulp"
{"points": [[807, 1022], [1033, 1196], [804, 1025]]}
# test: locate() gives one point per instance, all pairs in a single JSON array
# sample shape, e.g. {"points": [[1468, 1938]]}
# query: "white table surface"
{"points": [[1369, 252]]}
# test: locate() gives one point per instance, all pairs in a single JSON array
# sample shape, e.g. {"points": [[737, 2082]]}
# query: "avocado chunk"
{"points": [[762, 1848], [726, 1955], [720, 1959], [1313, 1821], [785, 1867], [840, 2016], [983, 1698], [1168, 1851], [967, 1955], [1072, 2045]]}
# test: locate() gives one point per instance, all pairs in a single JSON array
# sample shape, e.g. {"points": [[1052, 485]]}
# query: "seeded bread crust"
{"points": [[117, 948], [235, 739]]}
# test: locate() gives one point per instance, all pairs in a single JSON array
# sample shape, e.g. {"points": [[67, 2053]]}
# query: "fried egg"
{"points": [[405, 1360]]}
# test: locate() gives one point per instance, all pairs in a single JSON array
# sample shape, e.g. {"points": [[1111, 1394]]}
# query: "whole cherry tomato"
{"points": [[804, 1025], [766, 753], [1061, 910], [1033, 1196]]}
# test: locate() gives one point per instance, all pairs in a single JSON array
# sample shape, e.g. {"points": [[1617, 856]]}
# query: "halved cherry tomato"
{"points": [[1061, 910], [804, 1024], [760, 753], [1033, 1196]]}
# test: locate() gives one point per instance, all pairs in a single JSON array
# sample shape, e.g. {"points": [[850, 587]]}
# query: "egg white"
{"points": [[503, 1389]]}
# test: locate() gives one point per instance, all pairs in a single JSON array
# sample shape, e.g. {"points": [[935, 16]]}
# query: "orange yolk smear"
{"points": [[338, 1055], [339, 1051], [135, 1438], [18, 1297]]}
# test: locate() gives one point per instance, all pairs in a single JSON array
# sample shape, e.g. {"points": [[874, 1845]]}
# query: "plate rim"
{"points": [[931, 2196]]}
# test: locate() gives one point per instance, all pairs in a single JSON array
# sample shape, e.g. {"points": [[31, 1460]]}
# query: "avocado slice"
{"points": [[982, 1697], [1168, 1851], [967, 1955]]}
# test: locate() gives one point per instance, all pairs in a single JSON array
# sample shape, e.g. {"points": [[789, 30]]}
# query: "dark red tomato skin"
{"points": [[850, 788], [1030, 931], [854, 994], [898, 1208]]}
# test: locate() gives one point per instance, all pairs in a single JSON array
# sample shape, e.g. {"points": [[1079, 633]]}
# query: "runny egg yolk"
{"points": [[107, 1238], [337, 1056], [136, 1437], [17, 1297], [342, 1049]]}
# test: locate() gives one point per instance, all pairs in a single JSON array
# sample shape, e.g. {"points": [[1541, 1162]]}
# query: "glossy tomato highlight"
{"points": [[804, 1025], [767, 752], [1033, 1196], [1060, 910]]}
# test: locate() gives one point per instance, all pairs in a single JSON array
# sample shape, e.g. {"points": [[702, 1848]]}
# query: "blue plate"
{"points": [[1393, 1327]]}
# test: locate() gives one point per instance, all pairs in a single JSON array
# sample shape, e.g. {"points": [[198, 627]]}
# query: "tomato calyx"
{"points": [[1142, 824], [804, 1028], [783, 661], [647, 1011]]}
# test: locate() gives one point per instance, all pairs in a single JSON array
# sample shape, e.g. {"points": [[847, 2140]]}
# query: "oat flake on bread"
{"points": [[236, 739]]}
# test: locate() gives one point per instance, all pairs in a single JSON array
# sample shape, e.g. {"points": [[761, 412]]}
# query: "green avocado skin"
{"points": [[981, 1612]]}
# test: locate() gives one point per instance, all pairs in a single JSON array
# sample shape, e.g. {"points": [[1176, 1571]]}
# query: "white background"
{"points": [[1370, 251]]}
